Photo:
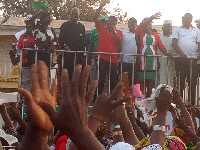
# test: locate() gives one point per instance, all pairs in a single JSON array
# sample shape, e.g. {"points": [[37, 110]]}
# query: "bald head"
{"points": [[75, 13]]}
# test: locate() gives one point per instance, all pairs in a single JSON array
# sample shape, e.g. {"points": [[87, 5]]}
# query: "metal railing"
{"points": [[120, 65], [9, 147]]}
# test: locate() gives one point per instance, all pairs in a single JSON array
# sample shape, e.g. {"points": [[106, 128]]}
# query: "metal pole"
{"points": [[156, 82], [36, 54], [109, 75], [20, 75], [121, 63], [197, 102], [190, 95], [75, 59], [144, 90], [98, 73], [86, 57], [168, 75], [50, 67], [133, 71], [62, 59]]}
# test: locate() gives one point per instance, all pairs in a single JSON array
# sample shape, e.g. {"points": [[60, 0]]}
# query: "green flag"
{"points": [[42, 4]]}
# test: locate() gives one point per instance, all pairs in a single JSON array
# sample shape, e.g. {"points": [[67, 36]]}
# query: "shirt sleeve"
{"points": [[138, 30], [62, 35], [120, 34], [198, 35], [92, 37], [175, 33], [101, 27], [159, 42], [20, 42]]}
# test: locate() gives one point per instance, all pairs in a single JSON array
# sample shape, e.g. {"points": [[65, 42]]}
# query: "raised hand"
{"points": [[41, 92], [104, 104], [13, 113], [75, 101], [118, 115], [176, 97], [157, 15], [164, 101], [103, 3]]}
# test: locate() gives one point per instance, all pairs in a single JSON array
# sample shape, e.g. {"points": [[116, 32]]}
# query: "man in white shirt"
{"points": [[129, 47], [186, 42], [167, 66]]}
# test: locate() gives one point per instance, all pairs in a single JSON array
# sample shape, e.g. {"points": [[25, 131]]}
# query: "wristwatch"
{"points": [[159, 128]]}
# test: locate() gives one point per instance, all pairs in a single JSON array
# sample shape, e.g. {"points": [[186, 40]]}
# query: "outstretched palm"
{"points": [[41, 92]]}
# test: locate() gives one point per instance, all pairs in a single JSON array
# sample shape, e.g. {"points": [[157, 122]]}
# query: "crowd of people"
{"points": [[115, 120]]}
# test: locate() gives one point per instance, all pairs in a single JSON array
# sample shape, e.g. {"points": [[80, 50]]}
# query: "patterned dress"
{"points": [[148, 46]]}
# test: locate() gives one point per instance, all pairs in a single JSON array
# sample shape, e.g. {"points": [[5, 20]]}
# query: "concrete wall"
{"points": [[5, 47]]}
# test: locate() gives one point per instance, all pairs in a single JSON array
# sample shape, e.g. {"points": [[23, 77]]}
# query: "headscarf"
{"points": [[122, 146], [182, 135], [174, 142]]}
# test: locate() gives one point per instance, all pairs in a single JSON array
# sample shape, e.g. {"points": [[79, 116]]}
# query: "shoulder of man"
{"points": [[80, 24], [65, 24]]}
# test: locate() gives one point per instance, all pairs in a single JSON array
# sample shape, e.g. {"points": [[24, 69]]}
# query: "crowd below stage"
{"points": [[122, 119]]}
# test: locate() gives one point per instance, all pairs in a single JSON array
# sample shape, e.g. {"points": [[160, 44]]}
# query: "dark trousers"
{"points": [[44, 57], [70, 60], [128, 67], [104, 67], [183, 67]]}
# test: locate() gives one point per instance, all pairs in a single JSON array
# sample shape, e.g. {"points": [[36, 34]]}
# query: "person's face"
{"points": [[104, 21], [148, 27], [75, 15], [198, 25], [112, 22], [47, 20], [132, 25], [29, 25], [167, 29], [186, 21]]}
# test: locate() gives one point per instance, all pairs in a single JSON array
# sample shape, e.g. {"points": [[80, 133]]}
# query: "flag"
{"points": [[5, 19], [42, 4]]}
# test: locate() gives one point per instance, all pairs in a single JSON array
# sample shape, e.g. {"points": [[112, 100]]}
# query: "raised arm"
{"points": [[162, 104], [8, 123], [126, 127], [97, 13], [150, 19], [181, 124], [177, 99], [39, 123], [130, 113]]}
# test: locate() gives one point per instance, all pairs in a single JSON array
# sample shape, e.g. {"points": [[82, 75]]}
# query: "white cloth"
{"points": [[167, 68], [18, 34], [187, 40], [9, 138], [148, 106], [42, 35], [126, 146], [128, 46], [122, 146]]}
